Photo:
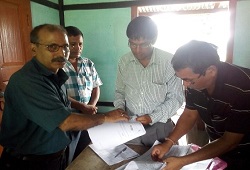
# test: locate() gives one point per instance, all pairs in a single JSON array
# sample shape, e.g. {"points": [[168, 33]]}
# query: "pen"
{"points": [[209, 165], [120, 152]]}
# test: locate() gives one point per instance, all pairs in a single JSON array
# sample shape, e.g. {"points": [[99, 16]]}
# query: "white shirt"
{"points": [[153, 90]]}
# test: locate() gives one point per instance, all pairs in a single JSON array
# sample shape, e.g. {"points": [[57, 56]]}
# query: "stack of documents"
{"points": [[145, 162], [115, 155], [108, 140], [110, 135]]}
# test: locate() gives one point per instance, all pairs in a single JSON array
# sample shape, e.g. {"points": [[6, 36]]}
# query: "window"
{"points": [[178, 24]]}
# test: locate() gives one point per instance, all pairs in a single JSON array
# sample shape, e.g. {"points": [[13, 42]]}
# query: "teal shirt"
{"points": [[35, 105]]}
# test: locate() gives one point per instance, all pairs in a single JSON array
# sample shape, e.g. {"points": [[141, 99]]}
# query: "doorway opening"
{"points": [[180, 23]]}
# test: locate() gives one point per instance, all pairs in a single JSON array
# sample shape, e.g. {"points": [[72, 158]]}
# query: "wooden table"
{"points": [[89, 160]]}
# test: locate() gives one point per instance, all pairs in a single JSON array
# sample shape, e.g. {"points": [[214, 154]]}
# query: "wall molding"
{"points": [[120, 4], [100, 103]]}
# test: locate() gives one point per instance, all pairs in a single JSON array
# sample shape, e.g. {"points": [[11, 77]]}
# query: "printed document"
{"points": [[109, 135], [115, 155], [145, 162]]}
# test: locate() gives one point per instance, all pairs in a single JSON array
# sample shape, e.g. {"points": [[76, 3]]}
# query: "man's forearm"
{"points": [[81, 121], [184, 124], [94, 96]]}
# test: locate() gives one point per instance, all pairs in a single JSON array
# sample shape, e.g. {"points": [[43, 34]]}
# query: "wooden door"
{"points": [[15, 26]]}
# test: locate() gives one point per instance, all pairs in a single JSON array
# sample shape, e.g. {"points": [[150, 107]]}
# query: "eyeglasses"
{"points": [[192, 81], [144, 45], [55, 47]]}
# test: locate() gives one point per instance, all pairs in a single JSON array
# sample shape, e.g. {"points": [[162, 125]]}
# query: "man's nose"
{"points": [[78, 47], [186, 83], [137, 48], [63, 51]]}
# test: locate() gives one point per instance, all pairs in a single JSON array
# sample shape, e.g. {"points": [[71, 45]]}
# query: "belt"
{"points": [[35, 157]]}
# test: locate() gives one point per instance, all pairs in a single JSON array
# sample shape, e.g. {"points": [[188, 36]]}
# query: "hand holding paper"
{"points": [[109, 135]]}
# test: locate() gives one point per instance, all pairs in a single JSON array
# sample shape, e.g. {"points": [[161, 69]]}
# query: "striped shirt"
{"points": [[80, 85], [153, 90], [228, 108]]}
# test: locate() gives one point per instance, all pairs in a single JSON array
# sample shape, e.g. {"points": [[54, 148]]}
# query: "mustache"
{"points": [[58, 59]]}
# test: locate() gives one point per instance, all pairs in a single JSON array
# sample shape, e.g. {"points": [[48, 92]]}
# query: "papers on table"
{"points": [[145, 162], [109, 135], [137, 165], [116, 154]]}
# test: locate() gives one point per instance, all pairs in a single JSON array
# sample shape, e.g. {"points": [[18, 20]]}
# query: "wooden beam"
{"points": [[61, 12], [125, 4]]}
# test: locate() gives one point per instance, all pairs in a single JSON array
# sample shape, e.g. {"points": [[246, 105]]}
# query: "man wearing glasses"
{"points": [[146, 86], [37, 119], [219, 93]]}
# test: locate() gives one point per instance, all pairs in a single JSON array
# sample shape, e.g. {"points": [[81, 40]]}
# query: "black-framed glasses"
{"points": [[144, 45], [192, 81], [55, 47]]}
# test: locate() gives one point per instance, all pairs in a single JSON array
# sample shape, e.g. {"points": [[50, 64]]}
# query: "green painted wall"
{"points": [[105, 41], [42, 14], [242, 35]]}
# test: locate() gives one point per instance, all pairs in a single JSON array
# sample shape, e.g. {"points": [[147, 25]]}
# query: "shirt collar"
{"points": [[79, 60]]}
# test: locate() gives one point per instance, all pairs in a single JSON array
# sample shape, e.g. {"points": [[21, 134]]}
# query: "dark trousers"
{"points": [[83, 142], [56, 161], [158, 131], [79, 141]]}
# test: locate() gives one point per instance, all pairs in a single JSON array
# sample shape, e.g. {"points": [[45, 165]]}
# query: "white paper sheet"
{"points": [[145, 162], [109, 135], [114, 155]]}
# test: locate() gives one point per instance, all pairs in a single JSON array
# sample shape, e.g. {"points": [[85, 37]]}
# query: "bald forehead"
{"points": [[53, 28], [51, 35]]}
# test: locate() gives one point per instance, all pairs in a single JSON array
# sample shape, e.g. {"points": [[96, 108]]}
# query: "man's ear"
{"points": [[212, 70], [33, 47]]}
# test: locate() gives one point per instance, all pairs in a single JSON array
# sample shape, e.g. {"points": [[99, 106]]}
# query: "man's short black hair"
{"points": [[197, 55], [73, 31], [142, 27]]}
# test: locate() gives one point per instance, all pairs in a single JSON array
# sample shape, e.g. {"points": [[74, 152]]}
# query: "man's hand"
{"points": [[116, 115], [145, 119], [173, 163], [159, 151], [89, 109]]}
